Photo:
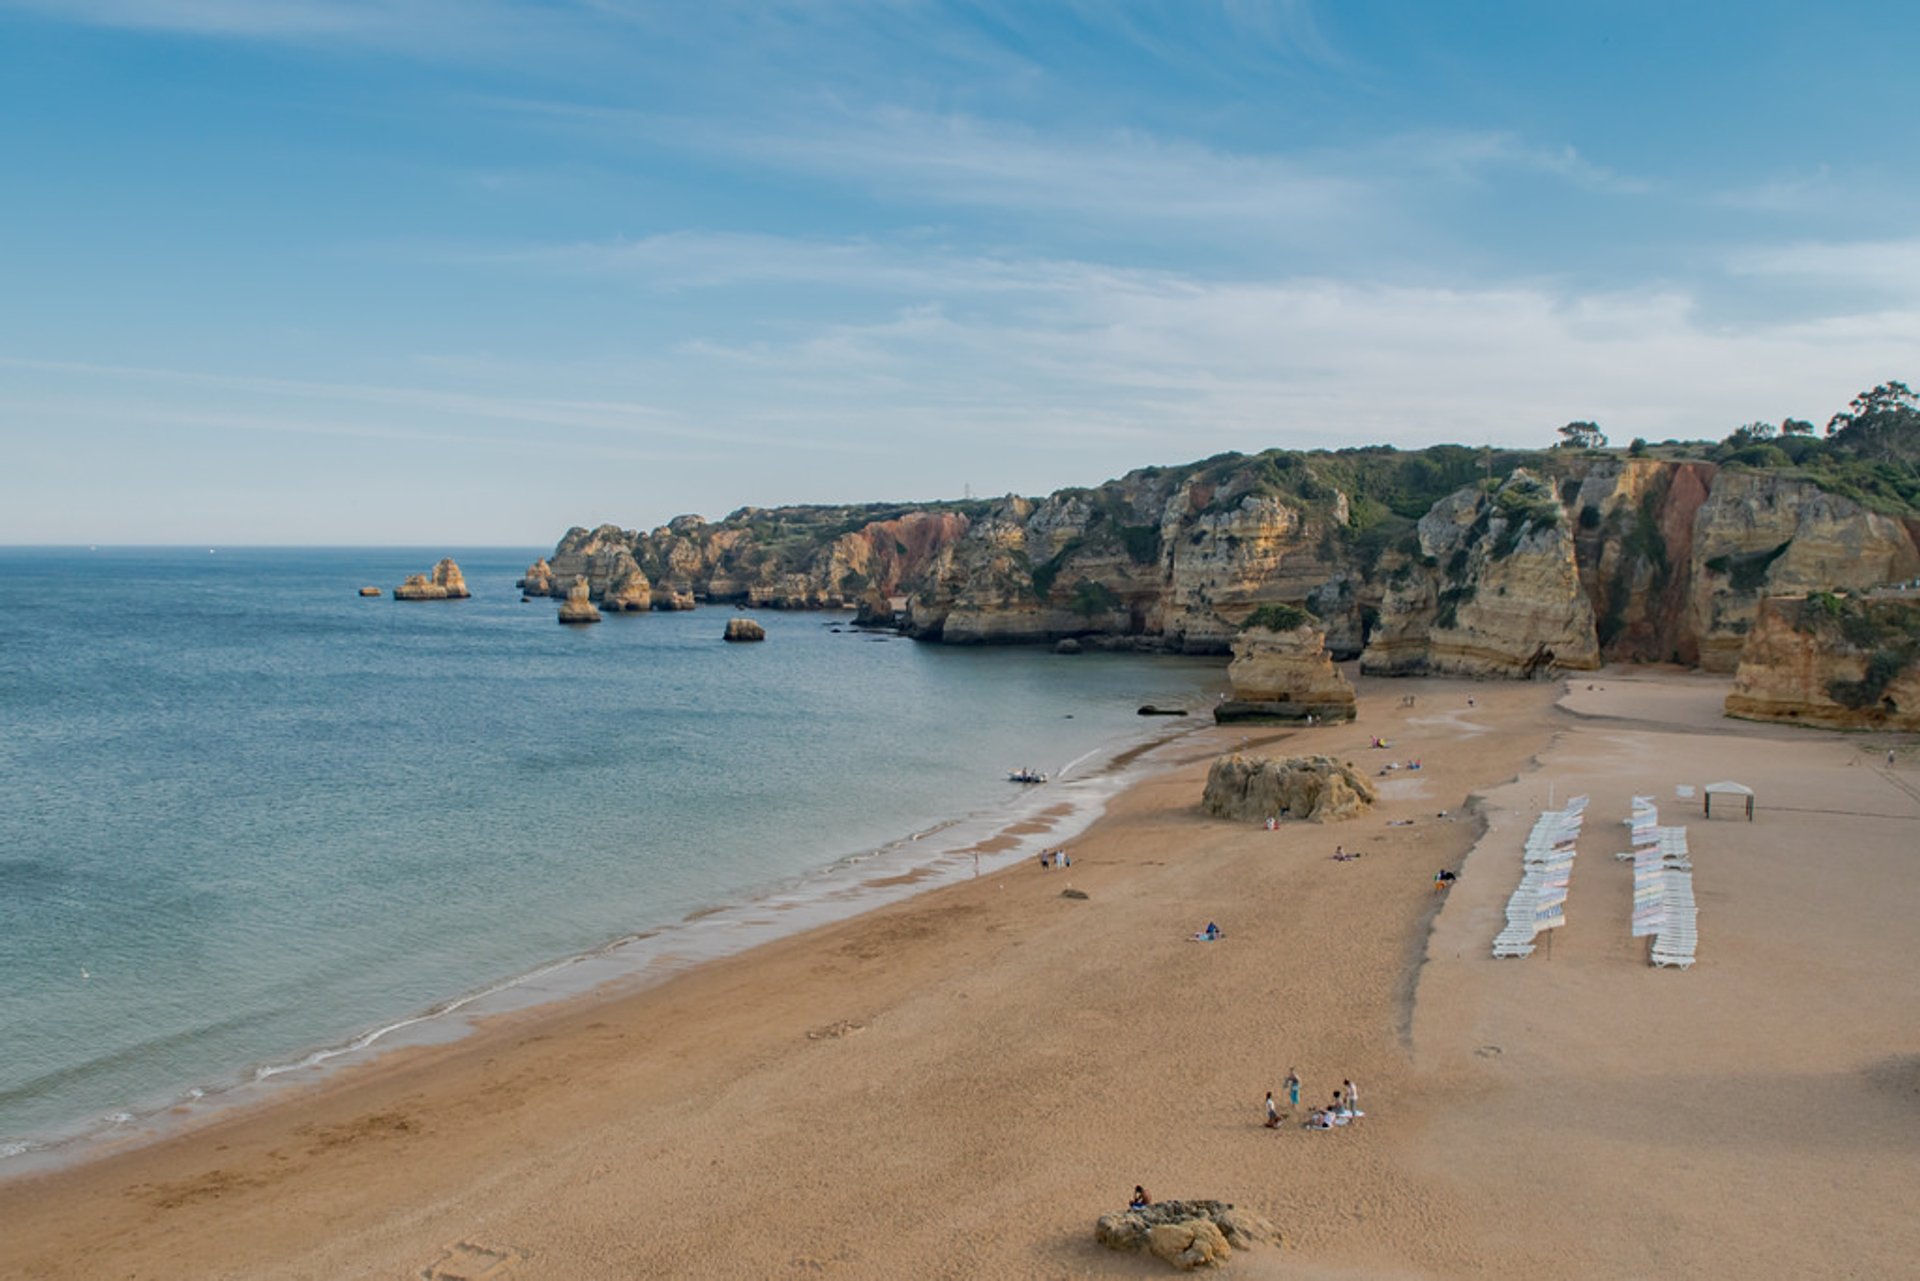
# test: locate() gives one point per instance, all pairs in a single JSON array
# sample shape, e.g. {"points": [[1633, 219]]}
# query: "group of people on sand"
{"points": [[1344, 1109], [1056, 858], [1213, 933]]}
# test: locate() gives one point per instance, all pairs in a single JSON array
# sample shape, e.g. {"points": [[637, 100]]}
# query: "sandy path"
{"points": [[957, 1085]]}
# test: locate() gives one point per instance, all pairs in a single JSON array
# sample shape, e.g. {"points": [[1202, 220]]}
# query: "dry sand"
{"points": [[956, 1086]]}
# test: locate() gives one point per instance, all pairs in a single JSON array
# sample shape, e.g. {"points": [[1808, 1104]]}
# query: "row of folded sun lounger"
{"points": [[1539, 902], [1663, 905]]}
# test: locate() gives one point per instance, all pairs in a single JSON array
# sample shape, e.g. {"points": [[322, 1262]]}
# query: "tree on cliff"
{"points": [[1582, 436], [1882, 424]]}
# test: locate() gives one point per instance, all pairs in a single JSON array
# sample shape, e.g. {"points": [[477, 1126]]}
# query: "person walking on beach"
{"points": [[1293, 1088], [1273, 1112]]}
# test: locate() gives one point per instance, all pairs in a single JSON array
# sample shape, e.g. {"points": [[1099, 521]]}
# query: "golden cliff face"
{"points": [[1761, 534], [1595, 557], [1495, 592], [1860, 670]]}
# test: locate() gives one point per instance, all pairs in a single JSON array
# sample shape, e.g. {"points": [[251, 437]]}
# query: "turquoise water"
{"points": [[247, 813]]}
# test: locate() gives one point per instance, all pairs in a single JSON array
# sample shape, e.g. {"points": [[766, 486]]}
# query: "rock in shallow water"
{"points": [[744, 629]]}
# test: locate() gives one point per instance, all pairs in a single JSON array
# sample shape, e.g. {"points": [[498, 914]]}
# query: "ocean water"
{"points": [[249, 819]]}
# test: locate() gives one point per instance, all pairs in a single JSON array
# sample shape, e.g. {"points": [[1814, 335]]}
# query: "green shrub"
{"points": [[1278, 617]]}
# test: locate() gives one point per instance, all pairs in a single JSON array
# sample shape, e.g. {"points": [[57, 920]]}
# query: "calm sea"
{"points": [[249, 819]]}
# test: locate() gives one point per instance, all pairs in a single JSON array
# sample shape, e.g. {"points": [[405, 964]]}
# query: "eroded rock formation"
{"points": [[444, 583], [1255, 788], [578, 607], [1495, 590], [1831, 661], [1282, 672], [1186, 1234], [743, 629], [1447, 560]]}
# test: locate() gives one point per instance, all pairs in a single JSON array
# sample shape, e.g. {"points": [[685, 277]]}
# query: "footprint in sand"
{"points": [[469, 1261]]}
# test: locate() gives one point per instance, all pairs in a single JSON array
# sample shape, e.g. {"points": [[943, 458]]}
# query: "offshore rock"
{"points": [[578, 607], [537, 581], [369, 591], [1831, 661], [744, 629], [1255, 788], [445, 583], [1285, 673]]}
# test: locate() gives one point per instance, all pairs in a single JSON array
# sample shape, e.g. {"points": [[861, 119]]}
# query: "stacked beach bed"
{"points": [[1663, 906], [1539, 902]]}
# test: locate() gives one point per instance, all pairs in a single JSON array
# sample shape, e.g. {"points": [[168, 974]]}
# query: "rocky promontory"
{"points": [[444, 583], [1834, 661], [1478, 562]]}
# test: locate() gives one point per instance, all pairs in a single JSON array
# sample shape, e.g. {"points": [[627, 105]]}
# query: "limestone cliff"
{"points": [[1831, 661], [1759, 533], [1446, 560], [1494, 591]]}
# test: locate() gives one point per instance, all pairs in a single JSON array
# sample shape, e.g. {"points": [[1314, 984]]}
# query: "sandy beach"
{"points": [[959, 1084]]}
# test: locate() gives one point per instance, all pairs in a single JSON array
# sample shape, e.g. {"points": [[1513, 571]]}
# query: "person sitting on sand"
{"points": [[1212, 931], [1141, 1198], [1443, 878]]}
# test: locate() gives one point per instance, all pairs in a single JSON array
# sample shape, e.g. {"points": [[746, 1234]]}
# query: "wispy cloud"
{"points": [[1887, 267]]}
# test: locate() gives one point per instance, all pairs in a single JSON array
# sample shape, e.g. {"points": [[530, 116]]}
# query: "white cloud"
{"points": [[1890, 267]]}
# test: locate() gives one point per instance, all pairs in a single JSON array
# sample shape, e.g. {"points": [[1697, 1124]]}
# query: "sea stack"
{"points": [[744, 629], [1281, 670], [445, 583], [578, 607]]}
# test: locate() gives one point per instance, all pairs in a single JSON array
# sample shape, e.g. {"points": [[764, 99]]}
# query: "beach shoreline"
{"points": [[957, 1083], [948, 850]]}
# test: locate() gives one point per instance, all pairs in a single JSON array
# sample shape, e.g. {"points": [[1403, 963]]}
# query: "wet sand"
{"points": [[957, 1085]]}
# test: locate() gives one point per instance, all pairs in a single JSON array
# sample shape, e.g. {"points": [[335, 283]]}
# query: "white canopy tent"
{"points": [[1728, 789]]}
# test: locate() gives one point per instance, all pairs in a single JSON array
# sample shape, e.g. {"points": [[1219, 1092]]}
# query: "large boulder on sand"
{"points": [[1187, 1234], [578, 607], [744, 629], [1255, 788]]}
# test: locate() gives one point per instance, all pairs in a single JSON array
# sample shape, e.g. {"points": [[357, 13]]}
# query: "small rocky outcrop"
{"points": [[369, 591], [444, 583], [1832, 661], [669, 597], [1186, 1234], [537, 581], [1255, 788], [744, 629], [578, 607], [1281, 670]]}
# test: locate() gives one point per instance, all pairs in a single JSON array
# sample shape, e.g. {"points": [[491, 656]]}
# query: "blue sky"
{"points": [[472, 271]]}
